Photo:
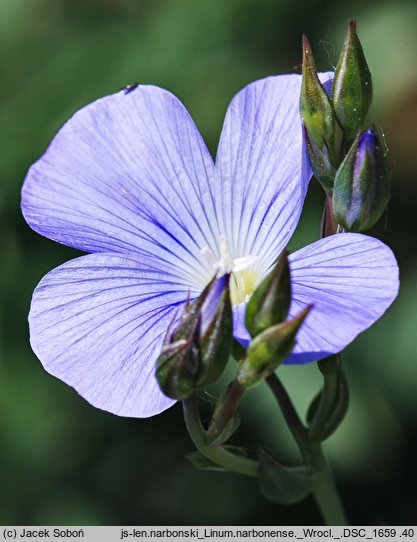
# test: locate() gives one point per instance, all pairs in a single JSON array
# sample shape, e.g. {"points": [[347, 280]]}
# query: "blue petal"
{"points": [[128, 173], [262, 169], [351, 279], [240, 332], [97, 323]]}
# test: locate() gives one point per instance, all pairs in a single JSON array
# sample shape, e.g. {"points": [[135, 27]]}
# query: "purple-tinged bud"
{"points": [[268, 350], [216, 332], [196, 353], [177, 369], [361, 188], [352, 85], [270, 302], [319, 121]]}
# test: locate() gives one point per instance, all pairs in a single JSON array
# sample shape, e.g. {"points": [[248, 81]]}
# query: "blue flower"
{"points": [[129, 180]]}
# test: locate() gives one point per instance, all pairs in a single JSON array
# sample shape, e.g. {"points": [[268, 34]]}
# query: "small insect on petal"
{"points": [[131, 86]]}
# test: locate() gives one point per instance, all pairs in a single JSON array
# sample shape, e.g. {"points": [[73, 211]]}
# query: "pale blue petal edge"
{"points": [[97, 323]]}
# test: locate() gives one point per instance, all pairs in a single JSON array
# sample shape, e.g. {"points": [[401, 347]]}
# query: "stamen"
{"points": [[245, 273], [240, 264]]}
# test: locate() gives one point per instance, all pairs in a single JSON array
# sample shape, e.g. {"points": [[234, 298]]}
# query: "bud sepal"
{"points": [[352, 85], [270, 303], [268, 350], [361, 189], [177, 369], [318, 121], [216, 332]]}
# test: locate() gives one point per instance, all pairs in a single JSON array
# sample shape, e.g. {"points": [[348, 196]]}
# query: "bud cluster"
{"points": [[195, 354], [346, 158]]}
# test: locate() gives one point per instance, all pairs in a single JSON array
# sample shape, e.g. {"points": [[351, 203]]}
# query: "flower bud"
{"points": [[352, 85], [268, 350], [361, 188], [270, 303], [177, 369], [195, 354], [216, 332], [319, 121]]}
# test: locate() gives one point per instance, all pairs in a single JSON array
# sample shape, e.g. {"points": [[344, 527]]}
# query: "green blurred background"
{"points": [[64, 462]]}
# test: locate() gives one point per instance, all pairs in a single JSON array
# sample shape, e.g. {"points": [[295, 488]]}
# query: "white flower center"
{"points": [[244, 271]]}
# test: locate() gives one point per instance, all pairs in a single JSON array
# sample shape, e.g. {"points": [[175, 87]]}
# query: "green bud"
{"points": [[352, 85], [268, 350], [322, 163], [177, 369], [361, 188], [319, 121], [270, 302], [195, 354]]}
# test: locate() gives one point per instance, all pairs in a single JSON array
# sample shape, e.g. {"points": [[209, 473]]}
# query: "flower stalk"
{"points": [[325, 492], [217, 454], [323, 486]]}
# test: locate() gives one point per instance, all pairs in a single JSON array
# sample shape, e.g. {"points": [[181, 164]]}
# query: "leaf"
{"points": [[201, 462], [282, 484], [335, 416]]}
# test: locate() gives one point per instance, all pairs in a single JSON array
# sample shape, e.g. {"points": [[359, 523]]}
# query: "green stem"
{"points": [[292, 419], [325, 491], [219, 455]]}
